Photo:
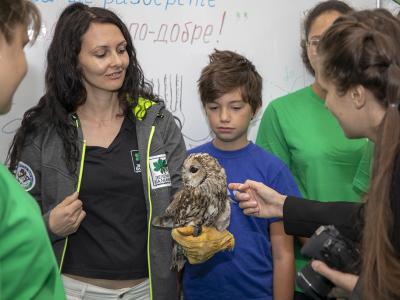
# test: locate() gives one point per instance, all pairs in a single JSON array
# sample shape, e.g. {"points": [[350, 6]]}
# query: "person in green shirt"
{"points": [[302, 132], [28, 268]]}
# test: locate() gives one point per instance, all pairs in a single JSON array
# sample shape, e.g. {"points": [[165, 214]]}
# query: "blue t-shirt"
{"points": [[246, 272]]}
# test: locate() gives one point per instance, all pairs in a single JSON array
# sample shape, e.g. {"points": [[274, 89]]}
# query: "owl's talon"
{"points": [[196, 230]]}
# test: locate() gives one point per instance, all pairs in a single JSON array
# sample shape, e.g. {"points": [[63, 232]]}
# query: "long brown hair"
{"points": [[65, 90], [364, 49]]}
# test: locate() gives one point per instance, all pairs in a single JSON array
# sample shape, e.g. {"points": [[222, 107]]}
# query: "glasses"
{"points": [[312, 45]]}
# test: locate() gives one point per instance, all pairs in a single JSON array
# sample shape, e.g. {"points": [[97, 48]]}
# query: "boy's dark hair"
{"points": [[318, 10], [14, 12], [226, 72]]}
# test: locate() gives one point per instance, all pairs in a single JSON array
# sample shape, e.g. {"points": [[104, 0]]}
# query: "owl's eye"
{"points": [[193, 169]]}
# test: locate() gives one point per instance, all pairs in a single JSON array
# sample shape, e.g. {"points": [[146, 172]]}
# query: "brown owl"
{"points": [[203, 200]]}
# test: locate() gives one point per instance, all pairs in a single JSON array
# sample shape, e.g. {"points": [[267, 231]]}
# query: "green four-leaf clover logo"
{"points": [[137, 156], [160, 166]]}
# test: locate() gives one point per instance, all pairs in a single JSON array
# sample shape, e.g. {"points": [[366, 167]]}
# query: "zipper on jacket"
{"points": [[78, 188], [150, 208]]}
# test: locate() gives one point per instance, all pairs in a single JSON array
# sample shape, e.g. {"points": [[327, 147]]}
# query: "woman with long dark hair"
{"points": [[359, 69], [103, 157]]}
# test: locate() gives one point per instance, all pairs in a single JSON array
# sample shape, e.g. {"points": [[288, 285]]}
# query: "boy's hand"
{"points": [[201, 248]]}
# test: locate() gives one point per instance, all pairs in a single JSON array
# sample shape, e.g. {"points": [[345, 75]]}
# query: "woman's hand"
{"points": [[257, 199], [345, 281], [66, 217]]}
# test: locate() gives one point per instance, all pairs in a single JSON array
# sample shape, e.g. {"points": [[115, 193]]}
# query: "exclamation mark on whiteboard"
{"points": [[222, 24]]}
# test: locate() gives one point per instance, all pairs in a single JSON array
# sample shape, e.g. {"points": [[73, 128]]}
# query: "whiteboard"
{"points": [[173, 39], [390, 5]]}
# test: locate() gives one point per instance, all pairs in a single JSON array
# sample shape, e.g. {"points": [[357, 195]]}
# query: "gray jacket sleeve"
{"points": [[174, 147], [31, 160]]}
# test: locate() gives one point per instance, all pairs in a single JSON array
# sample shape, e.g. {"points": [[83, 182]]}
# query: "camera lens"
{"points": [[313, 284]]}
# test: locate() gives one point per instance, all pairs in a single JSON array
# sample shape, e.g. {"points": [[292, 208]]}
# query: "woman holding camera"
{"points": [[359, 68]]}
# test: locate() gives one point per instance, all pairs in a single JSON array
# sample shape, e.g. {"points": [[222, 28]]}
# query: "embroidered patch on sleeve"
{"points": [[25, 176], [159, 173]]}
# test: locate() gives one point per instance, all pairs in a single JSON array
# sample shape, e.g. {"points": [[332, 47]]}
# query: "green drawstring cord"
{"points": [[150, 209]]}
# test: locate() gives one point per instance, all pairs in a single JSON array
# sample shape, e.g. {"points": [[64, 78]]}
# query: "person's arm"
{"points": [[67, 215], [283, 262], [302, 217], [30, 161], [175, 148]]}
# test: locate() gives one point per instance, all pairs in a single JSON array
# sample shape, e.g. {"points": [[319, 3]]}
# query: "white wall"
{"points": [[391, 5], [173, 39]]}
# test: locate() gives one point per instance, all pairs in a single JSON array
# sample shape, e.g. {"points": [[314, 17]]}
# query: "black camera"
{"points": [[338, 252]]}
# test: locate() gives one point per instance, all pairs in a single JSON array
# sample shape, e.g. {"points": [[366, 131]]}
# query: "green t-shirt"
{"points": [[28, 268], [327, 166]]}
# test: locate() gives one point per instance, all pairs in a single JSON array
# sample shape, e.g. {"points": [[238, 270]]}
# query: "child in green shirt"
{"points": [[28, 269]]}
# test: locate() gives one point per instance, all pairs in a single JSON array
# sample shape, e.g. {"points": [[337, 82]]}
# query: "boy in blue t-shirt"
{"points": [[261, 265]]}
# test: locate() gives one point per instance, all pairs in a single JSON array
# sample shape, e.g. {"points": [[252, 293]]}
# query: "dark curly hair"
{"points": [[65, 90], [318, 10]]}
